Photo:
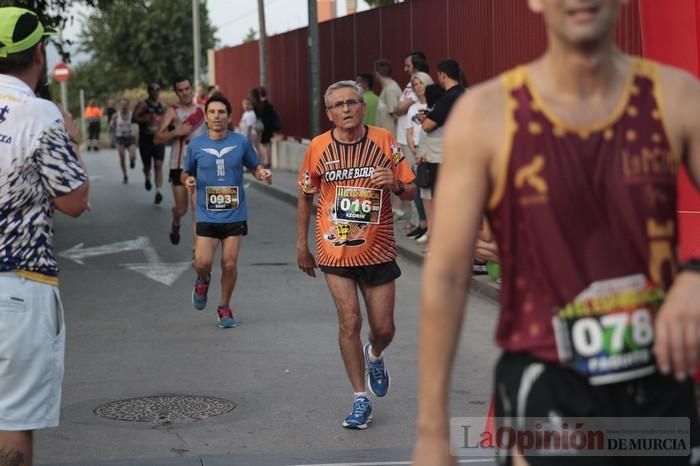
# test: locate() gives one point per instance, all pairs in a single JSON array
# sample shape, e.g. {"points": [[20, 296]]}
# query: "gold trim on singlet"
{"points": [[38, 277], [511, 80], [584, 131], [650, 70]]}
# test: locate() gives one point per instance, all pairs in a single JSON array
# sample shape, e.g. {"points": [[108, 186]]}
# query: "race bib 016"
{"points": [[357, 204], [221, 198], [607, 333]]}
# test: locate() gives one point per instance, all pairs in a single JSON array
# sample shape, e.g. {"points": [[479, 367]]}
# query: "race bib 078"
{"points": [[607, 332], [222, 198], [358, 204]]}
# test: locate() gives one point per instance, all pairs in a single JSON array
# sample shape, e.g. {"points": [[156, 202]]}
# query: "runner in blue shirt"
{"points": [[214, 167]]}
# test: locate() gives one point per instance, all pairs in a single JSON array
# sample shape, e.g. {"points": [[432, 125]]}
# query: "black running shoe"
{"points": [[132, 164], [147, 184], [159, 198], [174, 233], [416, 232]]}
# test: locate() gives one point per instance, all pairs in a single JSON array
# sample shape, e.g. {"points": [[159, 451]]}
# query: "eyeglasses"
{"points": [[349, 102]]}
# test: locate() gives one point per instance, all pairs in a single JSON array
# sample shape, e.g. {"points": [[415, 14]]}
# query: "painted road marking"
{"points": [[166, 273]]}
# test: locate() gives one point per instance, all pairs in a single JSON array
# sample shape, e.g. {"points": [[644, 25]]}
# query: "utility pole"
{"points": [[196, 44], [262, 44], [314, 71]]}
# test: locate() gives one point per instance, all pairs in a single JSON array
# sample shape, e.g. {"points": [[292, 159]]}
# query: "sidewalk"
{"points": [[283, 187]]}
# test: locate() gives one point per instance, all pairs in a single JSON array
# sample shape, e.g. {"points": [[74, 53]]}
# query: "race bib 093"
{"points": [[222, 198]]}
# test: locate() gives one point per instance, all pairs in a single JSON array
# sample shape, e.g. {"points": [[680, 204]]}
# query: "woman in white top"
{"points": [[124, 133], [414, 134], [248, 122]]}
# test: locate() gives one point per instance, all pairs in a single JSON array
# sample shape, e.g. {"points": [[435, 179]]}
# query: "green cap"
{"points": [[20, 30]]}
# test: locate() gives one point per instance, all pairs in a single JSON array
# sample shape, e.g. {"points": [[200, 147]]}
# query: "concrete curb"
{"points": [[482, 285]]}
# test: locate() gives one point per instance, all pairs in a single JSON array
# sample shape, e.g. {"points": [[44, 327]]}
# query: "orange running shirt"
{"points": [[354, 221]]}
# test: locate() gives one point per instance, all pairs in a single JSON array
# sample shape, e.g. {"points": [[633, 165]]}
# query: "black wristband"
{"points": [[401, 189], [691, 265]]}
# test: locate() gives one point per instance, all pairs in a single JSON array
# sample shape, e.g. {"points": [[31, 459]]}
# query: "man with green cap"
{"points": [[41, 171]]}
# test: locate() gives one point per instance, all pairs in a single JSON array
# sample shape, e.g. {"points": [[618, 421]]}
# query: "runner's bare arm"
{"points": [[189, 181], [140, 114], [263, 174], [305, 260], [184, 176], [383, 176], [470, 145], [678, 322], [163, 136], [409, 192]]}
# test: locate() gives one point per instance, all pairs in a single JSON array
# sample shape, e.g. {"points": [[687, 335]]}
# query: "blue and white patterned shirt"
{"points": [[37, 164]]}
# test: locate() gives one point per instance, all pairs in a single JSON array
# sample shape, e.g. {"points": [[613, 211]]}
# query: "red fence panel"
{"points": [[368, 45], [485, 36], [470, 41], [673, 36]]}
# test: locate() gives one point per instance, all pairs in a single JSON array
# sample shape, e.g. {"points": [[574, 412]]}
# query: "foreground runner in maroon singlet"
{"points": [[575, 158]]}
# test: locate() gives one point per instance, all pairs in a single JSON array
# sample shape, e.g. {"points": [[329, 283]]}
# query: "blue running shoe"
{"points": [[378, 379], [199, 294], [226, 319], [361, 414]]}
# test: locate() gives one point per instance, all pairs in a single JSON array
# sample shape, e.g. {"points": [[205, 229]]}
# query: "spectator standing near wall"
{"points": [[388, 98], [366, 82]]}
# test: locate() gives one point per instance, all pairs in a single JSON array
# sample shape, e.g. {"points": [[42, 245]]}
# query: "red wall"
{"points": [[671, 35], [484, 36]]}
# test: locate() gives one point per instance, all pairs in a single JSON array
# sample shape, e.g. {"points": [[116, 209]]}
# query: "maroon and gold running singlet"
{"points": [[585, 219]]}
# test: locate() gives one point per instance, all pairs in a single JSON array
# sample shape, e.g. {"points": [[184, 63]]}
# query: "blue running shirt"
{"points": [[218, 167]]}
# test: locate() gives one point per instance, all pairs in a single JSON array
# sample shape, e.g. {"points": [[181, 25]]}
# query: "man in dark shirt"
{"points": [[450, 78], [110, 110]]}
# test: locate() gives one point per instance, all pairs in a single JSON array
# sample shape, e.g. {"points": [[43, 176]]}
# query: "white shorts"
{"points": [[32, 346]]}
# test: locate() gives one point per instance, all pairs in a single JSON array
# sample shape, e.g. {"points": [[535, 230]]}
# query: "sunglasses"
{"points": [[349, 102]]}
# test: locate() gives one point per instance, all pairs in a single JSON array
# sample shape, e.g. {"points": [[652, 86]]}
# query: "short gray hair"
{"points": [[341, 85]]}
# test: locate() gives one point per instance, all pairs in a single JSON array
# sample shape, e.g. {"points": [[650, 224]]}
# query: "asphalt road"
{"points": [[132, 332]]}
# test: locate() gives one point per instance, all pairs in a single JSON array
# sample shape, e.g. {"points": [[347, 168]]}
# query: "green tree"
{"points": [[250, 36], [53, 14], [133, 42]]}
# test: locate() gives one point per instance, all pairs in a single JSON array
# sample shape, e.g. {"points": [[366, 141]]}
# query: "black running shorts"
{"points": [[222, 230], [174, 177], [126, 141], [527, 387], [371, 275], [150, 151]]}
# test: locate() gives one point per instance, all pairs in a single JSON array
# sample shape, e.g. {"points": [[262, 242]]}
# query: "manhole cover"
{"points": [[165, 409]]}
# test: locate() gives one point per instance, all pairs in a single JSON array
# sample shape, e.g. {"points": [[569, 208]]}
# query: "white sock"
{"points": [[359, 394], [371, 355]]}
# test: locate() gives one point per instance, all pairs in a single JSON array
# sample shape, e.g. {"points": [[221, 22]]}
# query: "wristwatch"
{"points": [[401, 189], [691, 265]]}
